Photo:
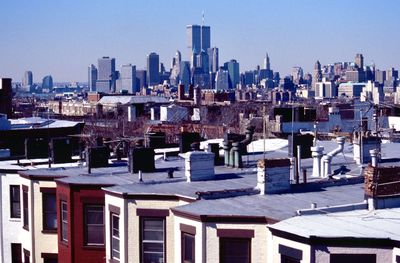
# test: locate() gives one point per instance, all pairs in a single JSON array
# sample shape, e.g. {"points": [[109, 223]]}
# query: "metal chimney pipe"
{"points": [[374, 159], [298, 161], [140, 176]]}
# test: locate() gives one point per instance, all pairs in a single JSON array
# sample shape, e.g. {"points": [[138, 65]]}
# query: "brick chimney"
{"points": [[273, 175]]}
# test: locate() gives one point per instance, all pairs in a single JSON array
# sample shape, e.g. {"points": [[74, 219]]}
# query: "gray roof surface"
{"points": [[276, 206], [132, 99], [384, 223]]}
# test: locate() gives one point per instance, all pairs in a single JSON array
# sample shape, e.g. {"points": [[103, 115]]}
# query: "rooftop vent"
{"points": [[199, 166], [273, 175]]}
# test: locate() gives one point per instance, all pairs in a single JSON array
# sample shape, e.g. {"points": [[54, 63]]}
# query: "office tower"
{"points": [[193, 33], [392, 74], [106, 75], [175, 71], [198, 38], [277, 78], [359, 61], [141, 79], [6, 97], [267, 64], [380, 76], [92, 77], [203, 61], [325, 89], [232, 67], [297, 74], [153, 69], [369, 73], [128, 79], [184, 74], [205, 37], [47, 83], [28, 79], [213, 59], [317, 76], [222, 79], [248, 78]]}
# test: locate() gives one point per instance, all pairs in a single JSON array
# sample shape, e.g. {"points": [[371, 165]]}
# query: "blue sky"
{"points": [[62, 37]]}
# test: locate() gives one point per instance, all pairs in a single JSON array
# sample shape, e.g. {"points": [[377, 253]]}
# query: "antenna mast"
{"points": [[202, 19]]}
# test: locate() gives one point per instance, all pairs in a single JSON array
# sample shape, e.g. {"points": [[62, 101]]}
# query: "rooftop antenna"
{"points": [[202, 19]]}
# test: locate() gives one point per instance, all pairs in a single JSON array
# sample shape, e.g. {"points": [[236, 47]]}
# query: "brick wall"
{"points": [[382, 181]]}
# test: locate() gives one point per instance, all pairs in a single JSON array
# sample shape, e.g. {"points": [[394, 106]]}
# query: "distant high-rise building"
{"points": [[106, 75], [222, 79], [203, 61], [184, 74], [325, 89], [317, 76], [141, 79], [205, 37], [47, 83], [193, 33], [380, 76], [92, 77], [153, 69], [232, 67], [359, 61], [267, 64], [6, 96], [297, 74], [175, 71], [128, 78], [248, 78], [213, 59], [198, 38], [28, 79], [392, 74]]}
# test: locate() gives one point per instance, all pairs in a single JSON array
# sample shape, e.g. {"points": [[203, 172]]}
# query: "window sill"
{"points": [[15, 219], [113, 260], [93, 247], [49, 231], [26, 228]]}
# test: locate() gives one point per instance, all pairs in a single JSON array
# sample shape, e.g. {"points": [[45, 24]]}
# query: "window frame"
{"points": [[115, 237], [46, 192], [13, 201], [86, 225], [64, 222], [25, 207], [160, 218], [183, 247], [15, 246]]}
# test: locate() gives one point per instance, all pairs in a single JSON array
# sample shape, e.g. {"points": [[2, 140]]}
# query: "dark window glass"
{"points": [[16, 253], [188, 248], [287, 259], [64, 221], [49, 211], [25, 209], [115, 252], [152, 243], [50, 260], [26, 256], [351, 258], [235, 250], [15, 201], [94, 217]]}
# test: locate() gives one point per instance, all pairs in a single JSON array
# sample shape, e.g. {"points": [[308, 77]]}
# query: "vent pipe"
{"points": [[327, 159]]}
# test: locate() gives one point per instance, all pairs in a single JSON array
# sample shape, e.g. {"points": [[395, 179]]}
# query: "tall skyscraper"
{"points": [[184, 74], [92, 77], [6, 97], [222, 79], [198, 38], [205, 38], [28, 79], [106, 75], [317, 76], [128, 78], [153, 69], [213, 59], [175, 71], [267, 64], [193, 33], [359, 61], [141, 79], [232, 67], [203, 62], [47, 83]]}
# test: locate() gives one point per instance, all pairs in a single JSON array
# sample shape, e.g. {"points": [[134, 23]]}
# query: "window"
{"points": [[94, 226], [350, 258], [152, 239], [188, 248], [25, 207], [115, 236], [64, 221], [290, 255], [27, 256], [15, 201], [288, 259], [50, 258], [16, 253], [235, 250], [49, 211]]}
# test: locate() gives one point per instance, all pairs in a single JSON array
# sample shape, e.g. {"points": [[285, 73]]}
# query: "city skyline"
{"points": [[294, 33]]}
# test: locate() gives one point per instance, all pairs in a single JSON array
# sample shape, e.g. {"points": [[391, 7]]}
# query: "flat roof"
{"points": [[381, 223]]}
